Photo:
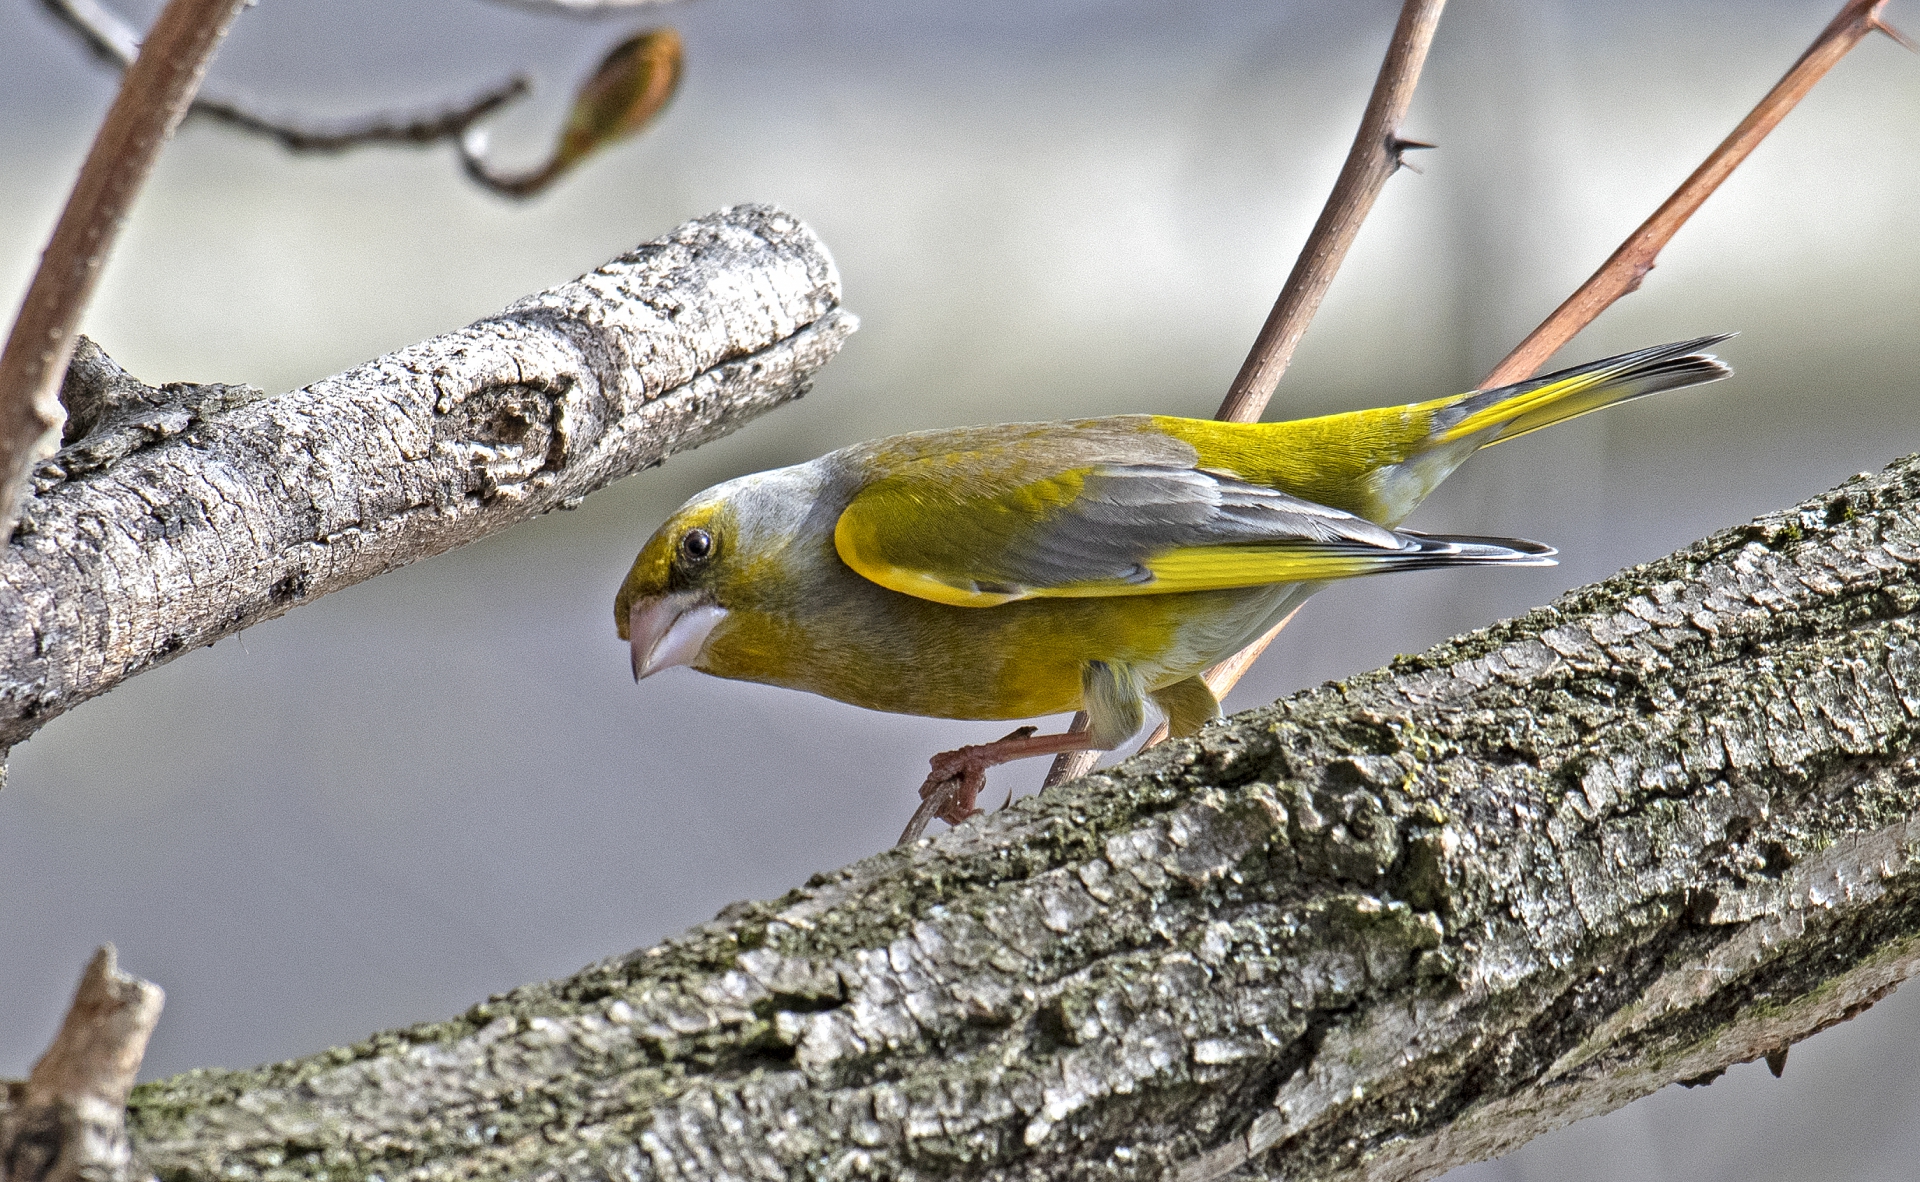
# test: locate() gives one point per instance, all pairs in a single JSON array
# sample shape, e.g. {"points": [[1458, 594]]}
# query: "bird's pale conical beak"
{"points": [[670, 629]]}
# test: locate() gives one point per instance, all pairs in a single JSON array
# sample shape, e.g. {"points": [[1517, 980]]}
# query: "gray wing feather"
{"points": [[1128, 513]]}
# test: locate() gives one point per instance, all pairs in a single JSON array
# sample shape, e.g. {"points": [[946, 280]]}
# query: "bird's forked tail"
{"points": [[1509, 412]]}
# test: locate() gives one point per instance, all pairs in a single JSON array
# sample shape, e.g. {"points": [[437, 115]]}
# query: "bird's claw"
{"points": [[956, 777], [961, 774]]}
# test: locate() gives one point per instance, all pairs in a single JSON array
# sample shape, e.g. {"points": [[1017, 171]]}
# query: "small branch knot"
{"points": [[111, 414]]}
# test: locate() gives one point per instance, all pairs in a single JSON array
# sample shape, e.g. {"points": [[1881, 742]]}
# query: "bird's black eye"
{"points": [[696, 544]]}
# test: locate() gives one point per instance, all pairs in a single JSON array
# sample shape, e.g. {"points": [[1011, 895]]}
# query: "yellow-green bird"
{"points": [[1098, 564]]}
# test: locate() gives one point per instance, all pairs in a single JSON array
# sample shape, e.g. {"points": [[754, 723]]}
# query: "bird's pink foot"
{"points": [[956, 777]]}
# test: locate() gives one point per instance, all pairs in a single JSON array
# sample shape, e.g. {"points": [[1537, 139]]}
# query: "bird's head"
{"points": [[735, 549], [671, 599]]}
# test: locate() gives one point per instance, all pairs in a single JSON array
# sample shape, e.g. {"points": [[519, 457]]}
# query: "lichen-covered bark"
{"points": [[1380, 928], [171, 524]]}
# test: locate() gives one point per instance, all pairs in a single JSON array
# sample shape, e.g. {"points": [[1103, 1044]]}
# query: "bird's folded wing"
{"points": [[1116, 529]]}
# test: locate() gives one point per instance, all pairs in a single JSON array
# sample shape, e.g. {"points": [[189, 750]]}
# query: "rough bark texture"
{"points": [[1378, 929], [184, 514]]}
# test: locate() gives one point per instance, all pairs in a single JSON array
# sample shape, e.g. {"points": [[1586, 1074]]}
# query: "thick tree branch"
{"points": [[187, 513], [1669, 823]]}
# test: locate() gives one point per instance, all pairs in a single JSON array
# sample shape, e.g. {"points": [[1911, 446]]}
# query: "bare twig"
{"points": [[1623, 272], [1375, 156], [112, 39], [153, 98], [69, 1121], [117, 42], [930, 807], [419, 128]]}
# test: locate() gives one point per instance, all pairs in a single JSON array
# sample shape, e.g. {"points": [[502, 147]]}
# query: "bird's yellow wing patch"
{"points": [[917, 536], [1219, 568], [1111, 529]]}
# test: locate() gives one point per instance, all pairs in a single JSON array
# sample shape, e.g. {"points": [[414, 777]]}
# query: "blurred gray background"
{"points": [[442, 783]]}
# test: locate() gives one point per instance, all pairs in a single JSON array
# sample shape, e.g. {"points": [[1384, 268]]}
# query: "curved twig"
{"points": [[424, 127], [116, 42], [633, 83]]}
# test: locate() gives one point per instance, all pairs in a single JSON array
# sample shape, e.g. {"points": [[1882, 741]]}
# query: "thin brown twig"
{"points": [[449, 122], [112, 39], [1375, 156], [116, 41], [507, 184], [930, 807], [154, 96], [1624, 271]]}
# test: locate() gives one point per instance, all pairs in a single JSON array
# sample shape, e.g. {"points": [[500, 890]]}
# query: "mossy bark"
{"points": [[1380, 928]]}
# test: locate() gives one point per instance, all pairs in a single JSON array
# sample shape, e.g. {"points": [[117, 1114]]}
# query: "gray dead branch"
{"points": [[1669, 823], [179, 515], [67, 1121]]}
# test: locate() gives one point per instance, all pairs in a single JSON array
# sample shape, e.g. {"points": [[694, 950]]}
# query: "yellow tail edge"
{"points": [[1509, 412]]}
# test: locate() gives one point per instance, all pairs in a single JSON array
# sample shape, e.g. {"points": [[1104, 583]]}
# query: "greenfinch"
{"points": [[1099, 564]]}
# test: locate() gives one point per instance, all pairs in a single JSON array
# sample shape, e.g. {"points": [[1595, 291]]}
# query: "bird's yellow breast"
{"points": [[887, 651]]}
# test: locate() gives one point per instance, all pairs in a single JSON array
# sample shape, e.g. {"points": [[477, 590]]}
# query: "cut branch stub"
{"points": [[191, 512], [1381, 928], [67, 1121]]}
